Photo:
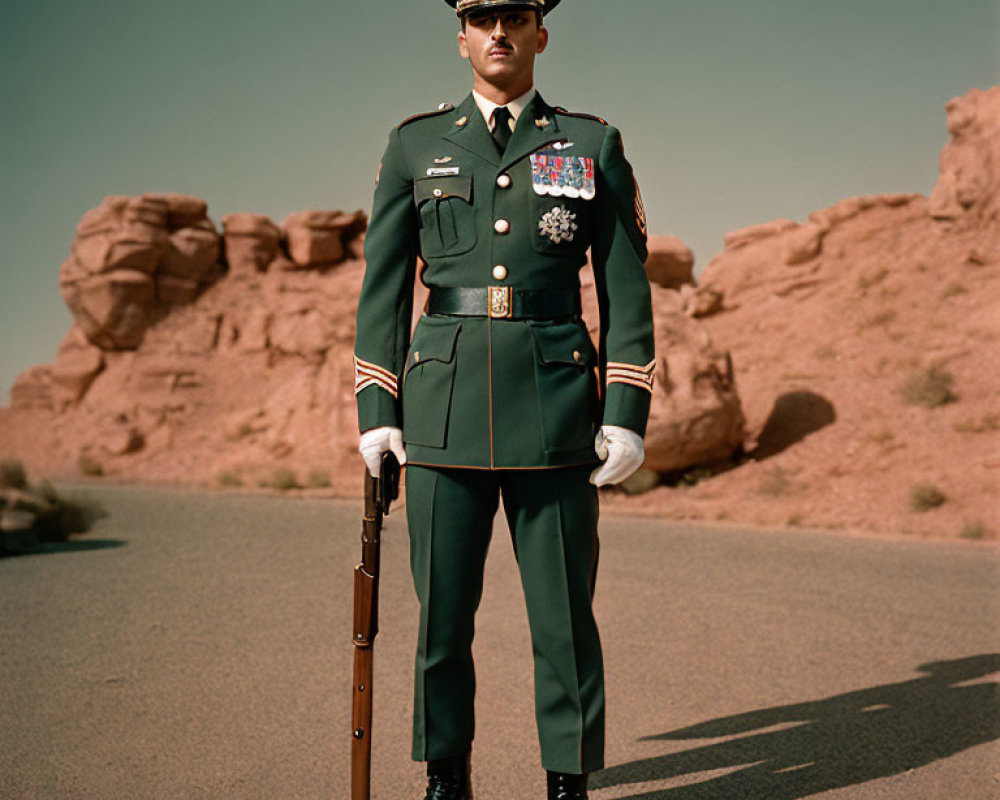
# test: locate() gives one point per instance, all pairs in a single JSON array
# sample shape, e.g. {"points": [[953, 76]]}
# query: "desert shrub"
{"points": [[974, 530], [283, 479], [58, 516], [776, 483], [71, 514], [12, 475], [89, 466], [925, 496], [230, 479], [929, 387], [319, 479]]}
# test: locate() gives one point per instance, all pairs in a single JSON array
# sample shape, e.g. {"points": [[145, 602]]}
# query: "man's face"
{"points": [[502, 45]]}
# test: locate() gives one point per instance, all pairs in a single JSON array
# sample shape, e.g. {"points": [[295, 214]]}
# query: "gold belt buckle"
{"points": [[500, 305]]}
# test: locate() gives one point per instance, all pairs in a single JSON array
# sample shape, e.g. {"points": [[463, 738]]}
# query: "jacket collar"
{"points": [[537, 126]]}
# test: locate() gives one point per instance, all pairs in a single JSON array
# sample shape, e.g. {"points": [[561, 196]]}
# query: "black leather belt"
{"points": [[505, 302]]}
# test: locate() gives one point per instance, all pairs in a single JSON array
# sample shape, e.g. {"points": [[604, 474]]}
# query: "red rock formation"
{"points": [[132, 260], [828, 323]]}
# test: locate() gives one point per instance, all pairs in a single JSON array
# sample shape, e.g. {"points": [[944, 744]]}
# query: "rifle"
{"points": [[379, 494]]}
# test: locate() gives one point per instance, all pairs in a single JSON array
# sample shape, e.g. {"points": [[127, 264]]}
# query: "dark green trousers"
{"points": [[552, 516]]}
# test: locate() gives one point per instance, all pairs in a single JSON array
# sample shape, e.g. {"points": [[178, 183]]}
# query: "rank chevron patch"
{"points": [[642, 377], [367, 374]]}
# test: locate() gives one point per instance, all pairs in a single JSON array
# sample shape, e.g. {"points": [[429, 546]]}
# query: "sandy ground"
{"points": [[196, 645]]}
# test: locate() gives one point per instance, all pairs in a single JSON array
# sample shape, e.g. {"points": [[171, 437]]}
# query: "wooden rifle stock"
{"points": [[379, 494]]}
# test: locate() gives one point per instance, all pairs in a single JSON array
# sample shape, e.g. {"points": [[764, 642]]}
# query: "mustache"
{"points": [[500, 44]]}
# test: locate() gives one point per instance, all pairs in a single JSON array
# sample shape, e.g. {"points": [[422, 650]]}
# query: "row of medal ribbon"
{"points": [[563, 176]]}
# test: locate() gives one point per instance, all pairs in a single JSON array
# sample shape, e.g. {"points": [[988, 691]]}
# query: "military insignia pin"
{"points": [[562, 145], [558, 225], [562, 176], [442, 160], [543, 122]]}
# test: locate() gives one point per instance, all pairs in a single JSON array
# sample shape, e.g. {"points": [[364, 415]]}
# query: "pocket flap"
{"points": [[563, 344], [441, 187], [433, 343]]}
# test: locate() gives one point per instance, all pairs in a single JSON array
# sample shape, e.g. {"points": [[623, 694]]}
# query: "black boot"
{"points": [[449, 779], [567, 787]]}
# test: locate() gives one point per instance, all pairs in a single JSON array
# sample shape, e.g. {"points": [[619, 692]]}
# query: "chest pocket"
{"points": [[447, 218]]}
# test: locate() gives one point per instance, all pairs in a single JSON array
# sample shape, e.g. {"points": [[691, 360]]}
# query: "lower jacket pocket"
{"points": [[566, 385], [428, 382]]}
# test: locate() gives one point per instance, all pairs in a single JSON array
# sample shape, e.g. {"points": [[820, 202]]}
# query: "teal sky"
{"points": [[733, 112]]}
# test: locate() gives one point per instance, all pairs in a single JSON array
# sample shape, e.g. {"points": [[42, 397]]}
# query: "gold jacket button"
{"points": [[501, 226], [499, 272], [578, 356], [438, 193], [504, 181]]}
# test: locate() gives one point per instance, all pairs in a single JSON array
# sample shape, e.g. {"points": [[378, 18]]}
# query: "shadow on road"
{"points": [[828, 744]]}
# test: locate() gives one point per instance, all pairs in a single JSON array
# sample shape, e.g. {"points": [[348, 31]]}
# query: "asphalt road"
{"points": [[198, 646]]}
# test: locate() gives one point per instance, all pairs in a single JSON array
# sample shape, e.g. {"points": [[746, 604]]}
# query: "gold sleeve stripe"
{"points": [[631, 374], [374, 368], [367, 374]]}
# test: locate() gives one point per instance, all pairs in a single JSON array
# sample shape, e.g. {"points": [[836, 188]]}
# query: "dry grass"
{"points": [[882, 437], [925, 496], [825, 352], [953, 289], [877, 320], [230, 480], [283, 480], [319, 479], [930, 387], [987, 424], [870, 279]]}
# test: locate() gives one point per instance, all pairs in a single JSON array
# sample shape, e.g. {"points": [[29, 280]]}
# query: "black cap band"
{"points": [[464, 7]]}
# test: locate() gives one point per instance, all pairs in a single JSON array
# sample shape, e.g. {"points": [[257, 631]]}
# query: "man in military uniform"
{"points": [[501, 391]]}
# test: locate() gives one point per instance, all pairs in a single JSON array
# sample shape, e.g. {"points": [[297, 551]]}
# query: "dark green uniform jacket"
{"points": [[498, 393]]}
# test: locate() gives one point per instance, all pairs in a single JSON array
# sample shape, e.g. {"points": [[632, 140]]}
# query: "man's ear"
{"points": [[543, 39], [463, 45]]}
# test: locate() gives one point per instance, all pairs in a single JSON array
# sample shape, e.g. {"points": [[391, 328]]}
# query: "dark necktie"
{"points": [[501, 128]]}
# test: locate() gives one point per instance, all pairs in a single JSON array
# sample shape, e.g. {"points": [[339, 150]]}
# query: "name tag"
{"points": [[436, 172], [563, 176]]}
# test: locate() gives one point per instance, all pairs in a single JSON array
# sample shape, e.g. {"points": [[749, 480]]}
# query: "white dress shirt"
{"points": [[516, 106]]}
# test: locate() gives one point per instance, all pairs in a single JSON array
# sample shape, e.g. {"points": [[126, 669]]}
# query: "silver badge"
{"points": [[562, 145], [435, 172], [558, 225], [442, 160]]}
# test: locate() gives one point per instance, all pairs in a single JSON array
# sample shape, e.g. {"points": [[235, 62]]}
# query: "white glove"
{"points": [[377, 441], [622, 452]]}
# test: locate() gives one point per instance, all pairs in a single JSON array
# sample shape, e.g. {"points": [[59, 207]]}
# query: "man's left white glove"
{"points": [[377, 441], [622, 452]]}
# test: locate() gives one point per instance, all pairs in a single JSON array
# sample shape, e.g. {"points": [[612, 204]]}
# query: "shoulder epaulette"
{"points": [[580, 114], [440, 110]]}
